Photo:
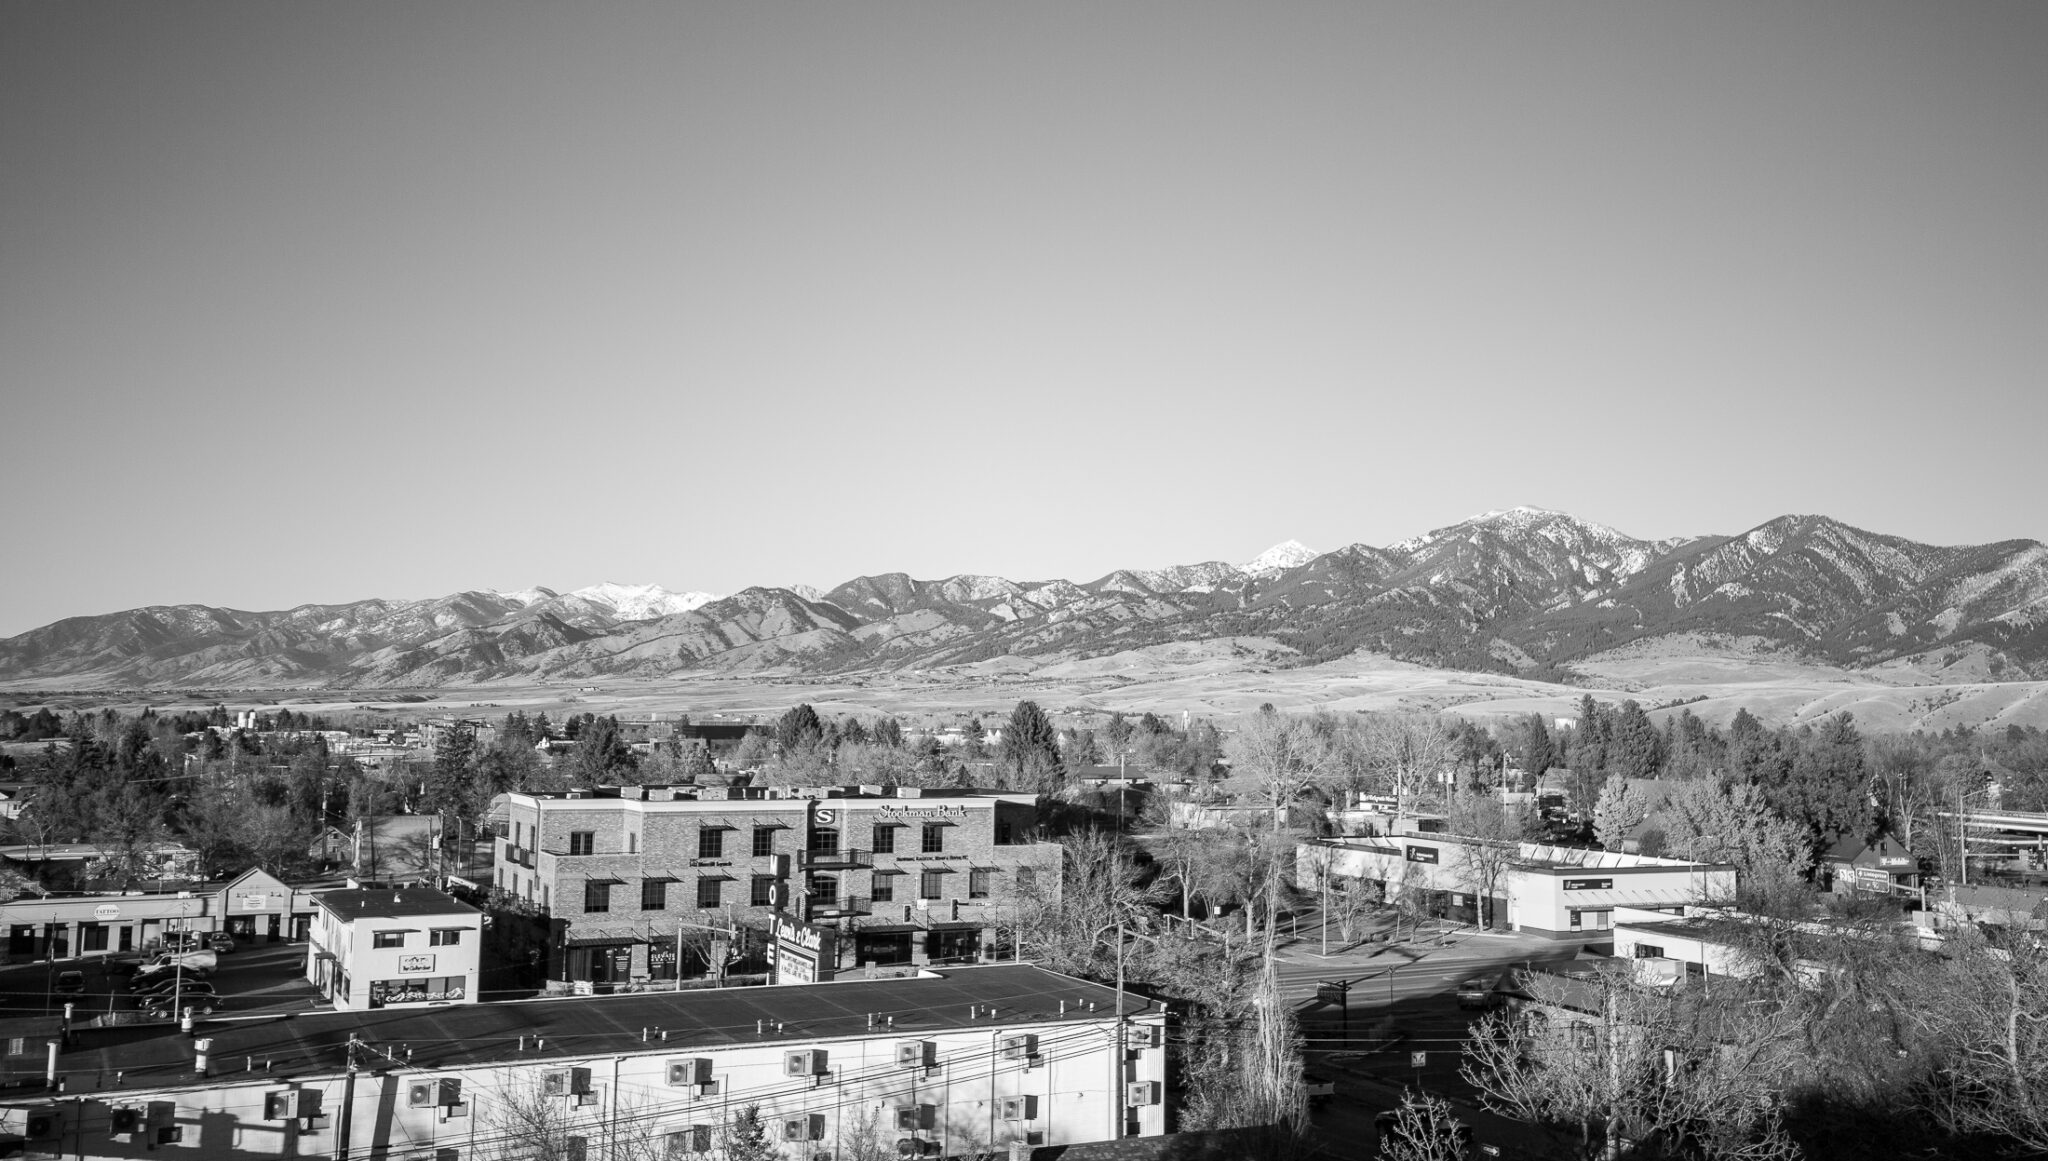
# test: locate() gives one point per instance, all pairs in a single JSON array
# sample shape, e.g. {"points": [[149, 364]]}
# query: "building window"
{"points": [[934, 838], [633, 844], [710, 894], [977, 884], [764, 892], [711, 843], [931, 885], [764, 841], [444, 937], [885, 887], [1575, 920], [654, 894], [388, 939], [597, 897], [824, 841], [885, 840], [1004, 834], [825, 889], [1027, 880], [582, 842], [1649, 951]]}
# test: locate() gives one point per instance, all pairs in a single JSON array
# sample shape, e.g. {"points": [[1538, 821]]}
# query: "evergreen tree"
{"points": [[888, 732], [1539, 753], [746, 1139], [1634, 749], [1030, 751], [453, 773], [852, 731], [798, 728]]}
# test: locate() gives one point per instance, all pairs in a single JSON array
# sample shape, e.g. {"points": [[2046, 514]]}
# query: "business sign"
{"points": [[819, 814], [259, 901], [416, 964], [1589, 884], [1422, 854], [1873, 879], [105, 912], [801, 953], [1895, 861], [936, 810]]}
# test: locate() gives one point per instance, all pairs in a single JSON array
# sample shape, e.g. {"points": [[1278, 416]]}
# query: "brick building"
{"points": [[910, 877]]}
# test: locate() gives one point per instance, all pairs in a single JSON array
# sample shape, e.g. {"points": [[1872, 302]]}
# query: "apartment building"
{"points": [[945, 1064], [910, 877]]}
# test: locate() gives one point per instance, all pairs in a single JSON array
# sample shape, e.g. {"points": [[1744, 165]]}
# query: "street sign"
{"points": [[1418, 1059], [1332, 991]]}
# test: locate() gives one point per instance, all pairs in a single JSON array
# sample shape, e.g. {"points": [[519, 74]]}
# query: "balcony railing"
{"points": [[839, 860], [833, 908]]}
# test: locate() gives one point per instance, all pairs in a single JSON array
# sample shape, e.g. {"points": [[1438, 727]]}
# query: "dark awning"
{"points": [[601, 935], [886, 929]]}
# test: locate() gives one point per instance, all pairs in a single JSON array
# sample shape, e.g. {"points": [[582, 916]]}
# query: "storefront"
{"points": [[884, 944]]}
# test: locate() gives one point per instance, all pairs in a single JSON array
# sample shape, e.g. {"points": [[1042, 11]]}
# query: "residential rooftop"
{"points": [[686, 792], [469, 1035]]}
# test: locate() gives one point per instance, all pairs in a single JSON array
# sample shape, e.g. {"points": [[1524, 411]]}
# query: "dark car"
{"points": [[165, 986], [70, 983], [1478, 992]]}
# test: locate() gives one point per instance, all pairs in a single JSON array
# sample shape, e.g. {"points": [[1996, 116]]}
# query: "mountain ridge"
{"points": [[1520, 590]]}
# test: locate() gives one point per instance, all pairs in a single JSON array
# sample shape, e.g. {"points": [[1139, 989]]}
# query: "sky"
{"points": [[320, 302]]}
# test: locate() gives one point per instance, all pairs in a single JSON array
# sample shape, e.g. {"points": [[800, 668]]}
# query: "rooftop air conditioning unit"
{"points": [[1021, 1047], [1019, 1108], [913, 1147], [421, 1094], [914, 1053], [810, 1062], [281, 1106], [689, 1072], [805, 1128], [689, 1139], [1139, 1093], [913, 1118], [566, 1082], [41, 1124], [124, 1121]]}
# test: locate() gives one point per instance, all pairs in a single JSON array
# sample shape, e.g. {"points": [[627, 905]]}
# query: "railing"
{"points": [[849, 905], [819, 860]]}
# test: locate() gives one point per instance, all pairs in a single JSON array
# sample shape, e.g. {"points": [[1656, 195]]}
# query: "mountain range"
{"points": [[1524, 591]]}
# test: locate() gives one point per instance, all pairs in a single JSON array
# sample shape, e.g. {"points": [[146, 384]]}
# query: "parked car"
{"points": [[221, 942], [200, 1005], [168, 981], [1319, 1087], [70, 983], [190, 959], [1478, 992]]}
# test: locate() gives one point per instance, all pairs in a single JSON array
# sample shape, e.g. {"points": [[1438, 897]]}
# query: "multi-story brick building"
{"points": [[911, 877]]}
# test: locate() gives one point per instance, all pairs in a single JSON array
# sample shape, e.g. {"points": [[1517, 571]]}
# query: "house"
{"points": [[1883, 867], [388, 947], [945, 1064]]}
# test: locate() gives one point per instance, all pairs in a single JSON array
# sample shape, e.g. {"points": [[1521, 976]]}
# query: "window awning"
{"points": [[604, 880], [886, 929], [601, 935], [720, 876], [953, 925]]}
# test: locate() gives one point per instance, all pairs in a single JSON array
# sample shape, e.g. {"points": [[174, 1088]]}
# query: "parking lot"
{"points": [[253, 980]]}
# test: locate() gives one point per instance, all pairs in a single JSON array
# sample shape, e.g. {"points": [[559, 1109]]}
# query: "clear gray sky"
{"points": [[317, 302]]}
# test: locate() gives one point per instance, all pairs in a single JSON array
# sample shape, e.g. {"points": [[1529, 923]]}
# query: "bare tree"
{"points": [[1405, 753], [1664, 1073], [1988, 1004], [1496, 844], [1424, 1129]]}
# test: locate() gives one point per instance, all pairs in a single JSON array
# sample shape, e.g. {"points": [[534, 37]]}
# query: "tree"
{"points": [[1988, 1004], [1425, 1128], [799, 727], [1030, 750], [1621, 809], [1497, 838], [1539, 753], [1709, 821], [1679, 1074], [1405, 753], [746, 1138], [602, 756], [1827, 788]]}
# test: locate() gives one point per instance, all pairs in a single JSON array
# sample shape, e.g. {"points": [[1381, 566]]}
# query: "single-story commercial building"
{"points": [[1561, 892], [254, 907]]}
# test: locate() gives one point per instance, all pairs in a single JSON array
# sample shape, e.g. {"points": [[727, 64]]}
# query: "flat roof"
{"points": [[393, 903], [156, 1056]]}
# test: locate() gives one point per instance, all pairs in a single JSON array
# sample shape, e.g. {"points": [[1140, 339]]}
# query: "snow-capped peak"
{"points": [[530, 595], [1279, 558], [641, 602], [811, 593]]}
